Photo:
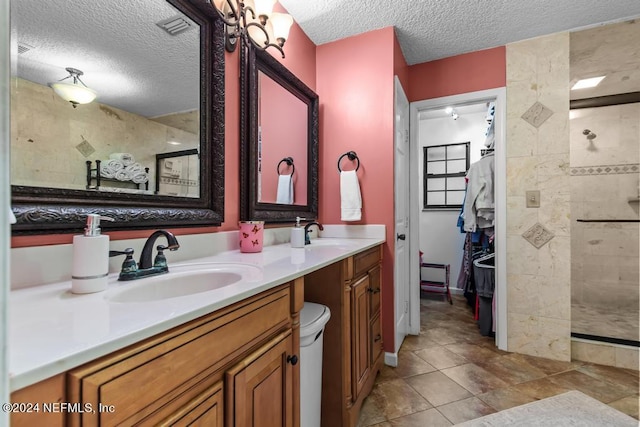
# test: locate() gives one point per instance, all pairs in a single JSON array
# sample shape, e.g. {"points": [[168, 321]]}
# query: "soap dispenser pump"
{"points": [[297, 234], [90, 258]]}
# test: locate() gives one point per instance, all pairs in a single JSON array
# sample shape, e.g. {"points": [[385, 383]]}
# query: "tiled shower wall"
{"points": [[538, 239], [605, 256], [47, 131]]}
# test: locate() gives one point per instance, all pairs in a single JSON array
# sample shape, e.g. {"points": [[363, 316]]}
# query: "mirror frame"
{"points": [[42, 210], [252, 61]]}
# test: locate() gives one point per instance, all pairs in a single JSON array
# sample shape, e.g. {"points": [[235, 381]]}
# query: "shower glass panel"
{"points": [[605, 232]]}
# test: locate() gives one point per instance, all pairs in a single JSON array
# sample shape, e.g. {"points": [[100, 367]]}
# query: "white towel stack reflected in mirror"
{"points": [[350, 198], [284, 193], [122, 166]]}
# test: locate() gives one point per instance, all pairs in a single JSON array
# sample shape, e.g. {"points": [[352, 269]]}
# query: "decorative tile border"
{"points": [[605, 169]]}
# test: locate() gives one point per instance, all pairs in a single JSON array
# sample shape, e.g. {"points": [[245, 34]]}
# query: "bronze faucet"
{"points": [[307, 240], [131, 271]]}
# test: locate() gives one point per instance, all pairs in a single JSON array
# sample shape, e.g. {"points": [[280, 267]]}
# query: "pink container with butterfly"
{"points": [[251, 236]]}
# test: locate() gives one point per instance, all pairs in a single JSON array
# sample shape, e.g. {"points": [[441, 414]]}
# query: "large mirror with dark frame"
{"points": [[157, 67], [279, 148]]}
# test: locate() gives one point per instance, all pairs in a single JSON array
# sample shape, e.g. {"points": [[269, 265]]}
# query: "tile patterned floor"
{"points": [[450, 374]]}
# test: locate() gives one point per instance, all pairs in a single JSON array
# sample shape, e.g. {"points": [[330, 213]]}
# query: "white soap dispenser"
{"points": [[297, 234], [90, 258]]}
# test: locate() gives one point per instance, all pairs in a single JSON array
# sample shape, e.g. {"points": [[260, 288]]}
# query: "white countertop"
{"points": [[52, 330]]}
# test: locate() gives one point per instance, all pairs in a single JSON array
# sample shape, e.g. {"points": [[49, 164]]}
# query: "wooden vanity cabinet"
{"points": [[353, 341], [225, 368]]}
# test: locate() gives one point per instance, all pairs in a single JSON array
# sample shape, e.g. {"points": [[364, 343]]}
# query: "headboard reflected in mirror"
{"points": [[157, 68], [279, 141]]}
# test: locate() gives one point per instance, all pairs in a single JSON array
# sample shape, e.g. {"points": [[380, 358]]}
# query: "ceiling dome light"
{"points": [[76, 92]]}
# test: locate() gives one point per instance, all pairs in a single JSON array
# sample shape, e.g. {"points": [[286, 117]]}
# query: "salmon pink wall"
{"points": [[355, 86], [300, 54], [469, 72], [300, 59], [400, 67]]}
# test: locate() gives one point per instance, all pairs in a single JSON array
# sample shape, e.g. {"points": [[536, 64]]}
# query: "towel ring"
{"points": [[352, 156], [289, 162]]}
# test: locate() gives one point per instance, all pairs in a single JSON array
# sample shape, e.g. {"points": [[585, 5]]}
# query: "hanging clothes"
{"points": [[479, 204]]}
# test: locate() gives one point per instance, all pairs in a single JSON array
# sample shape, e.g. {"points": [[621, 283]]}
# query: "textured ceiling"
{"points": [[136, 66], [433, 29], [132, 63]]}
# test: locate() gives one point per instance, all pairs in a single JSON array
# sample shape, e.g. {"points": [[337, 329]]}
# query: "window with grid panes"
{"points": [[445, 167]]}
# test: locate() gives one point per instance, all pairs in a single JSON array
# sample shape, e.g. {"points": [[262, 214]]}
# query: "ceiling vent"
{"points": [[24, 48], [175, 25]]}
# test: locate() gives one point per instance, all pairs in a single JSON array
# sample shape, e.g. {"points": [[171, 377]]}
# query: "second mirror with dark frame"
{"points": [[279, 141]]}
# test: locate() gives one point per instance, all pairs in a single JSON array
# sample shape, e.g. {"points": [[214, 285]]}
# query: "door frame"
{"points": [[500, 187]]}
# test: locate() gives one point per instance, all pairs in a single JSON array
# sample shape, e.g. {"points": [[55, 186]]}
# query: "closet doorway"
{"points": [[454, 127]]}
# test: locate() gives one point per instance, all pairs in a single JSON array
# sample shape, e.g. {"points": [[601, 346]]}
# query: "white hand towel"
{"points": [[125, 158], [350, 199], [133, 168], [109, 168], [285, 190], [122, 175], [139, 177], [114, 165]]}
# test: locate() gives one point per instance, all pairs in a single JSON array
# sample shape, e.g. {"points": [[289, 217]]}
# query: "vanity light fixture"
{"points": [[254, 22], [76, 92], [587, 83]]}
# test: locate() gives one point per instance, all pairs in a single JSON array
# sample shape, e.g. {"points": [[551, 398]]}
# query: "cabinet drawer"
{"points": [[144, 382], [362, 262]]}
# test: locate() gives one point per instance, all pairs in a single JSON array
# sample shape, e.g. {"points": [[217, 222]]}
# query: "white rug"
{"points": [[571, 409]]}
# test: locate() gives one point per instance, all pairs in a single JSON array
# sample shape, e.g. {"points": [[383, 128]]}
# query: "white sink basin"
{"points": [[182, 281]]}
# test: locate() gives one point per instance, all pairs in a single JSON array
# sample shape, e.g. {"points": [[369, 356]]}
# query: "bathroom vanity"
{"points": [[228, 355]]}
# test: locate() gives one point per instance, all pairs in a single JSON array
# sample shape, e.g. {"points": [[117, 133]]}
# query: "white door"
{"points": [[401, 188]]}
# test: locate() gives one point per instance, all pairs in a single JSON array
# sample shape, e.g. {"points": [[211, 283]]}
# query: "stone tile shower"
{"points": [[605, 186]]}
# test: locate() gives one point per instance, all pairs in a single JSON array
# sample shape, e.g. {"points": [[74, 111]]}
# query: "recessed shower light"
{"points": [[174, 142], [587, 83]]}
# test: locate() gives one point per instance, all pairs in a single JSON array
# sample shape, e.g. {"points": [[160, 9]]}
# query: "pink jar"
{"points": [[251, 236]]}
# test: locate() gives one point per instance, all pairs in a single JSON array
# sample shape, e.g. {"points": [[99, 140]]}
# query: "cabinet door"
{"points": [[206, 410], [360, 334], [260, 387]]}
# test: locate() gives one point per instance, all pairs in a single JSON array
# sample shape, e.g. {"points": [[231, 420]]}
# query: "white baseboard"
{"points": [[391, 359]]}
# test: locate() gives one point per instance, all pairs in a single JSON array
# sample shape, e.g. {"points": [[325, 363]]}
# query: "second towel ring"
{"points": [[352, 156], [289, 162]]}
